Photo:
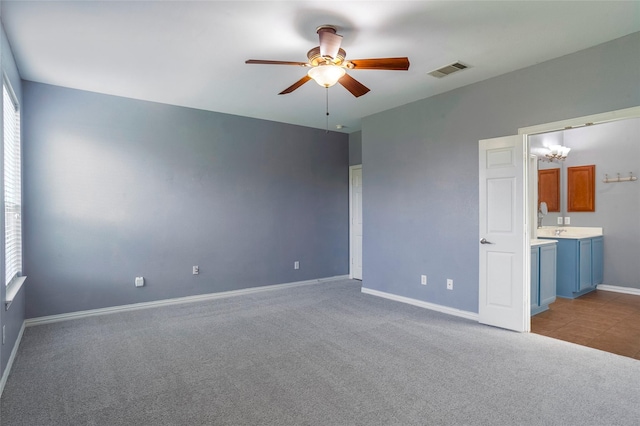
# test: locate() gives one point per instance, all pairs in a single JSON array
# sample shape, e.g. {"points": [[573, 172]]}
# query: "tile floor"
{"points": [[601, 319]]}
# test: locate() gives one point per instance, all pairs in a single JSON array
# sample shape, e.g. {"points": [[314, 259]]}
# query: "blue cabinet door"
{"points": [[547, 260], [585, 280], [568, 268], [543, 277], [535, 282], [597, 255]]}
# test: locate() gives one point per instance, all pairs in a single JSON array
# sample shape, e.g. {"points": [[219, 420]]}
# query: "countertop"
{"points": [[568, 232], [537, 242]]}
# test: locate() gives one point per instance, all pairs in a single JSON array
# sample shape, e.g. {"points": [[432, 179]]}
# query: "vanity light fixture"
{"points": [[557, 152]]}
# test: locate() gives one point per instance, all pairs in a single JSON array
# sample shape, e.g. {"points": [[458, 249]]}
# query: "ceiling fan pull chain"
{"points": [[327, 93]]}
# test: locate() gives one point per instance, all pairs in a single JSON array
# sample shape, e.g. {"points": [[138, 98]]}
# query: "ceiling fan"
{"points": [[328, 66]]}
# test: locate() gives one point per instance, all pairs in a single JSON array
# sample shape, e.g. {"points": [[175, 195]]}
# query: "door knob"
{"points": [[484, 241]]}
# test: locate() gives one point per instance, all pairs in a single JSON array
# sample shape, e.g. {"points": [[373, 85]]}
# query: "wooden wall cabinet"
{"points": [[549, 189], [581, 189]]}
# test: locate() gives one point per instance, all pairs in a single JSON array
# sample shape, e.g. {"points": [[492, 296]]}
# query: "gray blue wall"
{"points": [[13, 318], [420, 192], [355, 148], [613, 148], [117, 188]]}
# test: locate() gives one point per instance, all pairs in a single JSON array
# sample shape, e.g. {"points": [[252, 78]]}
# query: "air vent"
{"points": [[449, 69]]}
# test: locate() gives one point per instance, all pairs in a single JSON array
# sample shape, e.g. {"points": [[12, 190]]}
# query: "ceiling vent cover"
{"points": [[448, 69]]}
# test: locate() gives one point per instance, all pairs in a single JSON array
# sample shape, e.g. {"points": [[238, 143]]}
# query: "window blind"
{"points": [[12, 186]]}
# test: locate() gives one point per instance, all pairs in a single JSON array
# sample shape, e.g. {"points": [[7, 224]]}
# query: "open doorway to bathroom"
{"points": [[607, 318]]}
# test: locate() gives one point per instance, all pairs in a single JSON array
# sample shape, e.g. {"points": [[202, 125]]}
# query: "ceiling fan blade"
{"points": [[295, 85], [259, 61], [356, 88], [400, 64], [329, 43]]}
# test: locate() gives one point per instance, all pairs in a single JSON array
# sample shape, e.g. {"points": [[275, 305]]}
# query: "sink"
{"points": [[571, 232]]}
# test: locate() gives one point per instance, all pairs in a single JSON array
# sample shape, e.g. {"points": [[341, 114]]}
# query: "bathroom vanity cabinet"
{"points": [[580, 267], [543, 276]]}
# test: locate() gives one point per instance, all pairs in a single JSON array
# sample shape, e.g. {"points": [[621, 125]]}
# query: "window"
{"points": [[12, 186]]}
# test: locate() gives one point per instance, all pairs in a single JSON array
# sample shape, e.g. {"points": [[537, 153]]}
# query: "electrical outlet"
{"points": [[567, 220], [139, 282], [196, 270], [423, 279], [560, 220], [449, 284], [296, 264]]}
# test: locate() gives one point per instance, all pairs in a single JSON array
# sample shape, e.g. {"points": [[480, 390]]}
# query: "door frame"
{"points": [[571, 123], [351, 250], [587, 120]]}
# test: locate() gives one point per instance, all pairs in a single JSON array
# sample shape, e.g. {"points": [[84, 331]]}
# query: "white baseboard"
{"points": [[12, 357], [166, 302], [432, 306], [618, 289]]}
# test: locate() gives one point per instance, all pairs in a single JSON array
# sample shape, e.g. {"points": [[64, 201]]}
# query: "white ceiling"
{"points": [[192, 53]]}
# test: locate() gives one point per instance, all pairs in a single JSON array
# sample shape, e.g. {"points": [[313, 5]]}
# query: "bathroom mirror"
{"points": [[550, 180]]}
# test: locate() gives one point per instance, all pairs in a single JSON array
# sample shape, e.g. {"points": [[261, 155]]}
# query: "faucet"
{"points": [[560, 231]]}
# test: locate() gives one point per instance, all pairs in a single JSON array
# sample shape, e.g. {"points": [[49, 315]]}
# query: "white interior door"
{"points": [[355, 223], [504, 280]]}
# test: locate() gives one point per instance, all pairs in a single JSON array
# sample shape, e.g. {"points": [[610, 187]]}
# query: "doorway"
{"points": [[355, 222], [628, 113]]}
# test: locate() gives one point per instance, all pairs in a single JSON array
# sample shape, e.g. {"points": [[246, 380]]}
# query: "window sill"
{"points": [[12, 290]]}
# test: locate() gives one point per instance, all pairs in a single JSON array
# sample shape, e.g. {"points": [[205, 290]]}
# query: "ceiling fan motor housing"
{"points": [[315, 58]]}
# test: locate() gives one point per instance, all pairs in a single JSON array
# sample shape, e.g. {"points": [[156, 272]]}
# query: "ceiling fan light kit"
{"points": [[328, 64], [326, 75]]}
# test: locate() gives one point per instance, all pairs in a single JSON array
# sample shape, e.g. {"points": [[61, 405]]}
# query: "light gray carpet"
{"points": [[323, 354]]}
